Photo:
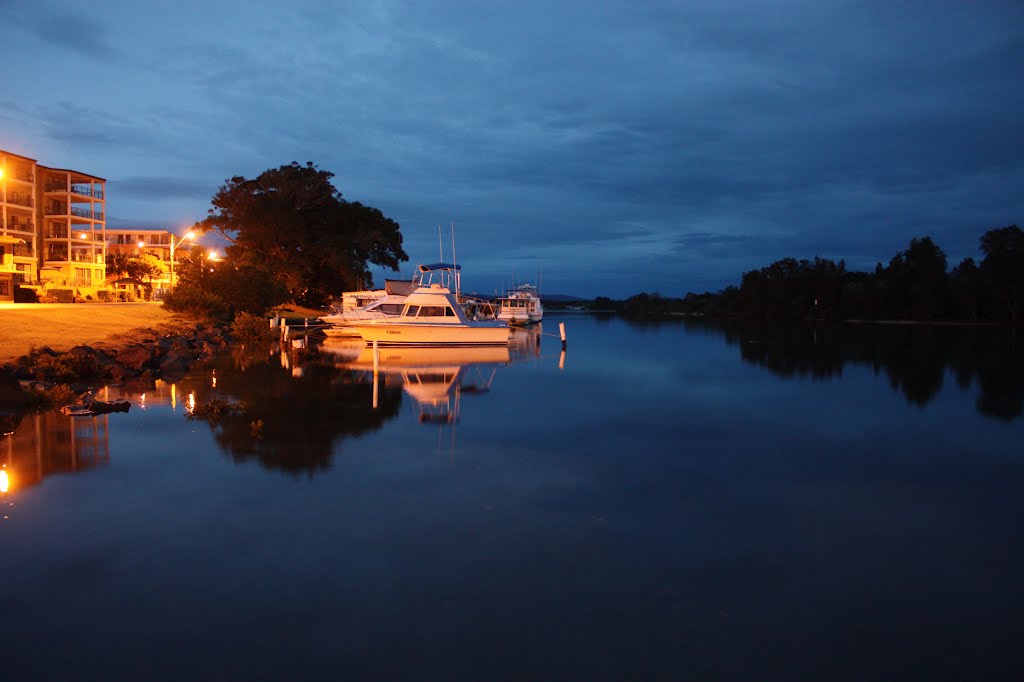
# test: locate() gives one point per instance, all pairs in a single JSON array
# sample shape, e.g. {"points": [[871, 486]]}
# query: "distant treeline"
{"points": [[915, 285]]}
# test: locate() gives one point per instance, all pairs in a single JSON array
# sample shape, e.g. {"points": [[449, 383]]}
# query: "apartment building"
{"points": [[135, 242], [52, 226]]}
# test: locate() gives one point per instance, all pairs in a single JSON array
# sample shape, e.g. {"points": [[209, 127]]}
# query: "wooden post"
{"points": [[561, 332], [376, 366]]}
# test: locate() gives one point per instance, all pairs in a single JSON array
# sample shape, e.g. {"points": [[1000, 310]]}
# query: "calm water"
{"points": [[664, 501]]}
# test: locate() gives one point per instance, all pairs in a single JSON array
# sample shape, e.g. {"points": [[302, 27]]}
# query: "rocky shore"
{"points": [[46, 378]]}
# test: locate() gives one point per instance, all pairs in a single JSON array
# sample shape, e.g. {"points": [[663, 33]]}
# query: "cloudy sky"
{"points": [[607, 147]]}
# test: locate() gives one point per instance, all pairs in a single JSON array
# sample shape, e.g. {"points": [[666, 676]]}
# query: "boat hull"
{"points": [[398, 334], [520, 320]]}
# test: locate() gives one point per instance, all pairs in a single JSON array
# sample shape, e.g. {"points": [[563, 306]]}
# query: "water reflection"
{"points": [[434, 378], [50, 443], [286, 420], [916, 359]]}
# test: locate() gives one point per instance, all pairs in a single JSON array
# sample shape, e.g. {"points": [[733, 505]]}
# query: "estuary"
{"points": [[680, 500]]}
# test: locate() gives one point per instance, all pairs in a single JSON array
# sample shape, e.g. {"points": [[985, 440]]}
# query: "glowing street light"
{"points": [[188, 235]]}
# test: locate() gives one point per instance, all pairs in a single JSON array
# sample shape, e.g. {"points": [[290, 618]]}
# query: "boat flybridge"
{"points": [[432, 316], [521, 306]]}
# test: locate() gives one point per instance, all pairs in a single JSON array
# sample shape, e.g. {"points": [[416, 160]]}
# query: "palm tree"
{"points": [[117, 264]]}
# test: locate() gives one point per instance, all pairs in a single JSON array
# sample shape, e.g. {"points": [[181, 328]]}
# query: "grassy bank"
{"points": [[62, 326]]}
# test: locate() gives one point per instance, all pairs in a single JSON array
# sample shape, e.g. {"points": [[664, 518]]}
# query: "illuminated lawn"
{"points": [[62, 326]]}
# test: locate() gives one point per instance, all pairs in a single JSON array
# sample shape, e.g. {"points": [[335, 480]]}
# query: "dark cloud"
{"points": [[618, 146], [161, 188], [65, 26]]}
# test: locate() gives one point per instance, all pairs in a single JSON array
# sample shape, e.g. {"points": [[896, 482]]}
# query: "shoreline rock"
{"points": [[165, 353]]}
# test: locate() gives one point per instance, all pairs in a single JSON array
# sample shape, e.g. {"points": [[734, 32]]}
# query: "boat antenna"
{"points": [[455, 267], [440, 244]]}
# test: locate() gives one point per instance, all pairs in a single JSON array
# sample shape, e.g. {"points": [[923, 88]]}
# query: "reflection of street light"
{"points": [[188, 235]]}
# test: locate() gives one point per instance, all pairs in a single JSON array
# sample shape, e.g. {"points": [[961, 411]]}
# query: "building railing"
{"points": [[87, 191], [20, 199], [55, 234], [56, 187], [20, 225], [23, 250]]}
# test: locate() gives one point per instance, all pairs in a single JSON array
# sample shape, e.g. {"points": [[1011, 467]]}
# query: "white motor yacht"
{"points": [[431, 316]]}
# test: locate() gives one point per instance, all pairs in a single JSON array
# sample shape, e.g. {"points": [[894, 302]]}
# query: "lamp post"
{"points": [[188, 235]]}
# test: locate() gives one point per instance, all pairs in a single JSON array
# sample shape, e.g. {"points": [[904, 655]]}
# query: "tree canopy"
{"points": [[292, 222]]}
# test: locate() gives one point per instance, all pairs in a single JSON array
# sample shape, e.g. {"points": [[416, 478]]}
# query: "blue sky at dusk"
{"points": [[613, 147]]}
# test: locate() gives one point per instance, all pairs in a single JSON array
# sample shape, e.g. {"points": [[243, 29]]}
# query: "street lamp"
{"points": [[188, 235]]}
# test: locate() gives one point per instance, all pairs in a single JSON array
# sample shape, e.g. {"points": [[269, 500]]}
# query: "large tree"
{"points": [[291, 221], [1003, 266]]}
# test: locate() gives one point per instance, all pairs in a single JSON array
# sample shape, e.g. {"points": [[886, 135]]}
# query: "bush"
{"points": [[249, 328], [58, 396], [67, 367], [189, 299], [61, 295]]}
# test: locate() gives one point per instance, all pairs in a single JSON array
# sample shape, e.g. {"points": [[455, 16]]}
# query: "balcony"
{"points": [[23, 174], [56, 187], [20, 225], [86, 190], [84, 213], [20, 199]]}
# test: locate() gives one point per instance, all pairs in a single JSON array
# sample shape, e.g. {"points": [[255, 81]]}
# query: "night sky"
{"points": [[606, 147]]}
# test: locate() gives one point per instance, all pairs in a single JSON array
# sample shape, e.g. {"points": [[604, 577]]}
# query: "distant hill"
{"points": [[553, 298], [561, 298]]}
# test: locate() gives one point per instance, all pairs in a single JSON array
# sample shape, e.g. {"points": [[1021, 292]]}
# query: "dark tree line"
{"points": [[917, 360], [917, 284]]}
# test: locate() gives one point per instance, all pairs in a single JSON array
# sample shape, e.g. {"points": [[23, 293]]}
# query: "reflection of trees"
{"points": [[914, 358], [290, 422]]}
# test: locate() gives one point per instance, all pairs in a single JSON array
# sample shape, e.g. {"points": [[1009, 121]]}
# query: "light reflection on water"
{"points": [[671, 500]]}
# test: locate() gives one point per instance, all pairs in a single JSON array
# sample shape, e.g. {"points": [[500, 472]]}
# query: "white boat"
{"points": [[382, 303], [431, 316], [385, 306], [520, 306]]}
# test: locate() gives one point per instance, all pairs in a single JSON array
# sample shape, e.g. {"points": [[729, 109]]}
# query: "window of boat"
{"points": [[432, 311], [390, 308], [412, 310]]}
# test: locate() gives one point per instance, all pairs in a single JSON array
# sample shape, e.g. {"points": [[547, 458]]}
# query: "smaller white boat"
{"points": [[338, 323], [521, 306], [432, 316]]}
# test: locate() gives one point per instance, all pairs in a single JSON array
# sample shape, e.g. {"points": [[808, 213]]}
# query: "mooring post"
{"points": [[376, 366], [561, 332]]}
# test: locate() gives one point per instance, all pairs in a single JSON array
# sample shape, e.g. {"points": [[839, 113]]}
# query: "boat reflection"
{"points": [[435, 378], [39, 445]]}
